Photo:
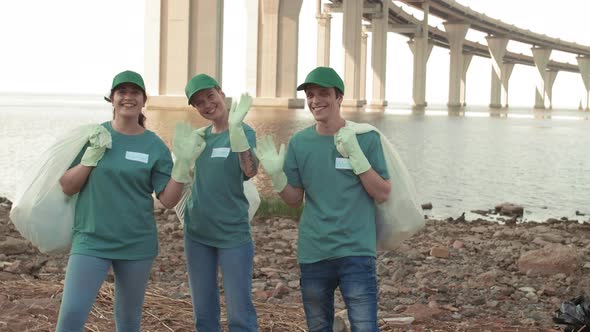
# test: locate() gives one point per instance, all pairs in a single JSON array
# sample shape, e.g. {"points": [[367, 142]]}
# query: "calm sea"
{"points": [[459, 161]]}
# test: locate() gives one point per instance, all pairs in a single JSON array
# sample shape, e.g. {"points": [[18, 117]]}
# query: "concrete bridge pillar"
{"points": [[182, 38], [497, 48], [421, 48], [380, 27], [466, 62], [541, 58], [456, 34], [363, 65], [324, 24], [506, 72], [551, 75], [351, 40], [278, 28], [584, 66]]}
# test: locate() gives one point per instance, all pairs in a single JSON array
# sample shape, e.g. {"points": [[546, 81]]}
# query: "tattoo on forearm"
{"points": [[249, 162]]}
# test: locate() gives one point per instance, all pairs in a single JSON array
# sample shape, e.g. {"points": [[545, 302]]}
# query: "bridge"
{"points": [[185, 37]]}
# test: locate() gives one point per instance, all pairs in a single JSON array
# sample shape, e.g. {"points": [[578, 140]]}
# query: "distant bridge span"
{"points": [[458, 19], [185, 37]]}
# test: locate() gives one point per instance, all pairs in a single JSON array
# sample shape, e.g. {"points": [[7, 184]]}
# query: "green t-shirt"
{"points": [[217, 214], [338, 218], [114, 212]]}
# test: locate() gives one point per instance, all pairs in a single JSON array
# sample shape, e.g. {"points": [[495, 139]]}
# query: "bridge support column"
{"points": [[379, 57], [421, 48], [252, 10], [466, 62], [277, 54], [323, 59], [363, 65], [456, 33], [351, 40], [541, 58], [497, 48], [584, 66], [506, 72], [182, 38], [551, 75], [278, 27]]}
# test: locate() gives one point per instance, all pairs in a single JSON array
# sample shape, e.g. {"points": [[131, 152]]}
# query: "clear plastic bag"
{"points": [[250, 192], [41, 212], [400, 216]]}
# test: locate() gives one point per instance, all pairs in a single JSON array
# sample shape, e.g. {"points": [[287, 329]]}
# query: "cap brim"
{"points": [[302, 86], [210, 86]]}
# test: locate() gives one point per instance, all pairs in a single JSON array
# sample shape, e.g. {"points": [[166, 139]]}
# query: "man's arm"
{"points": [[292, 196], [377, 187]]}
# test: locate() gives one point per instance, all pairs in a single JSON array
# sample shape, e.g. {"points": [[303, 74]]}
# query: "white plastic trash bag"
{"points": [[400, 216], [41, 212], [250, 192]]}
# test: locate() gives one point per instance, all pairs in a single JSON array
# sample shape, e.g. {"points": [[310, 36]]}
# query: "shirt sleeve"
{"points": [[78, 158], [375, 154], [291, 169], [162, 170]]}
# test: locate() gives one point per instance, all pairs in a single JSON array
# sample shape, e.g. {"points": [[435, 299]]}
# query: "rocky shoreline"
{"points": [[452, 276]]}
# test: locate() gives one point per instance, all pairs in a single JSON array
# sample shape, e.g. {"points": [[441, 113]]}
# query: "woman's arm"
{"points": [[74, 179], [171, 194], [248, 163]]}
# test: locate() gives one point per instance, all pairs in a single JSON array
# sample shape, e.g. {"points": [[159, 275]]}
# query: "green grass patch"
{"points": [[275, 207]]}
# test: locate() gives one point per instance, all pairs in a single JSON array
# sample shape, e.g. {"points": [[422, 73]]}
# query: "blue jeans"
{"points": [[85, 275], [356, 277], [236, 267]]}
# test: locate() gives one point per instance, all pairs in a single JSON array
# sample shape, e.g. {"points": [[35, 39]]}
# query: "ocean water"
{"points": [[459, 161]]}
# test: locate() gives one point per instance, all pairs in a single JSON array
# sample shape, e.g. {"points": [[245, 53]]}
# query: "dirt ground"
{"points": [[452, 276]]}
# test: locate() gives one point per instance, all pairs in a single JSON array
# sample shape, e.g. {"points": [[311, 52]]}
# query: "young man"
{"points": [[337, 240]]}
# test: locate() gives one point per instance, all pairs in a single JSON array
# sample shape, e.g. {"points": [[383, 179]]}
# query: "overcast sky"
{"points": [[76, 46]]}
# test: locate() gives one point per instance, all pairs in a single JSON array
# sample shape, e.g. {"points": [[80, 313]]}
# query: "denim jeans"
{"points": [[356, 277], [236, 268], [85, 275]]}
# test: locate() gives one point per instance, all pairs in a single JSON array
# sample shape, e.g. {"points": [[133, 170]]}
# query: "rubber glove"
{"points": [[237, 113], [272, 161], [348, 146], [99, 141], [187, 145]]}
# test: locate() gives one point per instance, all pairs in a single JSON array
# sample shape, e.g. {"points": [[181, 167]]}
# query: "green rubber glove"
{"points": [[99, 141], [272, 161], [237, 113], [348, 146], [187, 145]]}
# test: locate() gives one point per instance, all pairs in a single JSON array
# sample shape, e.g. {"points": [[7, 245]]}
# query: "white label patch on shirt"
{"points": [[343, 163], [220, 152], [137, 156]]}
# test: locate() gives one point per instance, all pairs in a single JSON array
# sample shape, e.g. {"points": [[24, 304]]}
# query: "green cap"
{"points": [[325, 77], [198, 83], [128, 76]]}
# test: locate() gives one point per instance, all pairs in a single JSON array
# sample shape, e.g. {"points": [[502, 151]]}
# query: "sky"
{"points": [[77, 46]]}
